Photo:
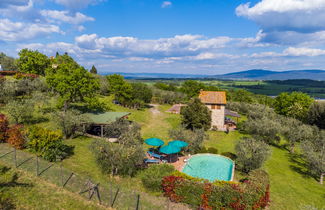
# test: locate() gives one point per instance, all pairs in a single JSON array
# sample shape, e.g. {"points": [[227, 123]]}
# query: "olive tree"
{"points": [[117, 159], [20, 111], [70, 122], [263, 129], [194, 138], [295, 131], [314, 152], [251, 154]]}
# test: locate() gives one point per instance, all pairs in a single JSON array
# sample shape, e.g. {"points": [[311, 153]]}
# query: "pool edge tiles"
{"points": [[203, 170]]}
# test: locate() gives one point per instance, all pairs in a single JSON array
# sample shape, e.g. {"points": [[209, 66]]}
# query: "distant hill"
{"points": [[258, 74], [158, 75], [254, 74]]}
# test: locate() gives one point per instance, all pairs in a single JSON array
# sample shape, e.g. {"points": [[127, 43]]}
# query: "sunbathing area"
{"points": [[208, 166]]}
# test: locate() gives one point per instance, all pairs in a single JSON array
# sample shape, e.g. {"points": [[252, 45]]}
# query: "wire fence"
{"points": [[107, 194]]}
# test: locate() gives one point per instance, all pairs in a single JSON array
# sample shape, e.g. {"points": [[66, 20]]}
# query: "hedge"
{"points": [[251, 193]]}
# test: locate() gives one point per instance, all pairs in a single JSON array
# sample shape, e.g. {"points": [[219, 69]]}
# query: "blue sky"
{"points": [[175, 36]]}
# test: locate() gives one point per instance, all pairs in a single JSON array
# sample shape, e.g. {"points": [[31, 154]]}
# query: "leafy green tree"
{"points": [[194, 138], [196, 115], [168, 97], [251, 154], [117, 159], [7, 63], [34, 62], [93, 70], [152, 176], [316, 115], [192, 88], [294, 105], [72, 82], [119, 87], [164, 86], [240, 95], [141, 92], [314, 152]]}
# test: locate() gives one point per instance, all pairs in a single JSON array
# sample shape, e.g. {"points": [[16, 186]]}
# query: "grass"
{"points": [[35, 193]]}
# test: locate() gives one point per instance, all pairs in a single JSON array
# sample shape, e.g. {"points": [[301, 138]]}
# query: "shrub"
{"points": [[251, 154], [16, 137], [47, 144], [152, 177], [4, 126], [252, 193]]}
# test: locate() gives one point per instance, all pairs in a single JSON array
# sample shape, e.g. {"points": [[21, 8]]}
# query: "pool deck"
{"points": [[179, 164]]}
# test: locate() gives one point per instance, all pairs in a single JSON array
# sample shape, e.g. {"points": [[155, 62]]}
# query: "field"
{"points": [[270, 88]]}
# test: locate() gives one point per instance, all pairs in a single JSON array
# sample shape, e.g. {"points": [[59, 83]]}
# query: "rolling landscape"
{"points": [[162, 104]]}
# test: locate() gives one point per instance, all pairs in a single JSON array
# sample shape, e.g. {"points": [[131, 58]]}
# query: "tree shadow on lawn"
{"points": [[13, 179], [299, 165]]}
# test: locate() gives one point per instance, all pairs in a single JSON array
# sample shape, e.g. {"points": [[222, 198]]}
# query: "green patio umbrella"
{"points": [[154, 142], [178, 143], [169, 149]]}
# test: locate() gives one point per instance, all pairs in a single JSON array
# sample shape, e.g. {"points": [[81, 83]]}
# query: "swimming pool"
{"points": [[211, 167]]}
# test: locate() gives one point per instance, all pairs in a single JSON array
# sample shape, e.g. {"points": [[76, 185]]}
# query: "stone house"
{"points": [[216, 102]]}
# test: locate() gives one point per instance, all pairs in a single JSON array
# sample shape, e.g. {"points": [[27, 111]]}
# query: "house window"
{"points": [[214, 106]]}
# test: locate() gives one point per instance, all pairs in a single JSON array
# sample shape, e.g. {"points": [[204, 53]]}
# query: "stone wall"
{"points": [[217, 117]]}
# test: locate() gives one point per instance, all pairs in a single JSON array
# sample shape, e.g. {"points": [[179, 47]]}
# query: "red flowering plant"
{"points": [[16, 136], [4, 126], [169, 187]]}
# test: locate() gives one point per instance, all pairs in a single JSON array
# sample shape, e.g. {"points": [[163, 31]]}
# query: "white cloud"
{"points": [[166, 4], [64, 16], [180, 45], [19, 31], [293, 51], [286, 15]]}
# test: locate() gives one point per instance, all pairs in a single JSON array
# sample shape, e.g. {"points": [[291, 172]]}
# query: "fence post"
{"points": [[138, 202], [15, 157], [111, 194], [61, 172], [37, 166]]}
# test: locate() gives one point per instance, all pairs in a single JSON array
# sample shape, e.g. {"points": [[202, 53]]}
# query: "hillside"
{"points": [[257, 74], [254, 74]]}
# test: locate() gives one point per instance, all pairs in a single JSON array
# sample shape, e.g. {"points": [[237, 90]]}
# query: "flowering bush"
{"points": [[16, 137], [47, 144], [20, 75], [4, 126], [252, 193]]}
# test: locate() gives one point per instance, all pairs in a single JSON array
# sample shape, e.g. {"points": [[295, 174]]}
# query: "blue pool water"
{"points": [[209, 166]]}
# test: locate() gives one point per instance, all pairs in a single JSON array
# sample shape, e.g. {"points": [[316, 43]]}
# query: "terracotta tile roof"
{"points": [[213, 97]]}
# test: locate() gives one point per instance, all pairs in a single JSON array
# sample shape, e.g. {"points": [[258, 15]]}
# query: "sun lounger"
{"points": [[152, 154], [151, 161]]}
